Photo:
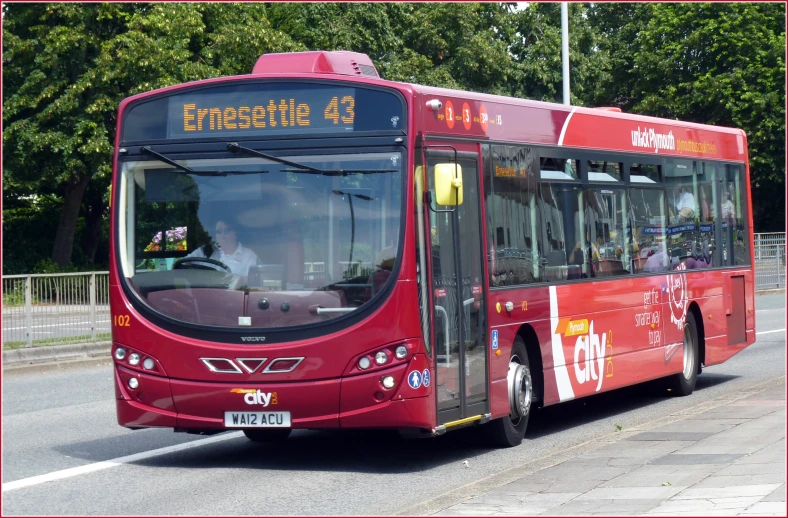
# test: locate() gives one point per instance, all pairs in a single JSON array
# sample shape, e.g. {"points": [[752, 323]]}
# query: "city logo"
{"points": [[576, 327], [592, 352], [592, 349], [257, 397]]}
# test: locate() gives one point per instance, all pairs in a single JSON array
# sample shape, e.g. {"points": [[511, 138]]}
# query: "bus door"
{"points": [[459, 305]]}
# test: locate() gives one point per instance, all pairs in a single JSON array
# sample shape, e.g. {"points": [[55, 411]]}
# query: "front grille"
{"points": [[251, 365]]}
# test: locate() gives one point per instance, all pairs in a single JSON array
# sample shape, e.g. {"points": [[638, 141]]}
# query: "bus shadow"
{"points": [[558, 418], [369, 451]]}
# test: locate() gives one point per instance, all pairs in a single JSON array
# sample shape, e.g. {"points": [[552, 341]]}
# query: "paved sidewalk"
{"points": [[54, 355], [723, 460]]}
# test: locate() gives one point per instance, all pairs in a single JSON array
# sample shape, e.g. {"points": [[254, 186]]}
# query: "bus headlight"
{"points": [[401, 352], [388, 381], [148, 363], [363, 363], [133, 383], [381, 357], [120, 353], [134, 359]]}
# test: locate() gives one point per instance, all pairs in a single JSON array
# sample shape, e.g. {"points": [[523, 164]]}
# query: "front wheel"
{"points": [[509, 431], [267, 435], [683, 383]]}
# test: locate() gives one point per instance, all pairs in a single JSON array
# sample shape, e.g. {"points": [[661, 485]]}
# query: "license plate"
{"points": [[257, 419]]}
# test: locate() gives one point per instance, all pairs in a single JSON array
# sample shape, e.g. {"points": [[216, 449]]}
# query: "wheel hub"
{"points": [[689, 354], [520, 390]]}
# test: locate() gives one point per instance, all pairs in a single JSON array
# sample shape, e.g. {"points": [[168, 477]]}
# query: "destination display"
{"points": [[264, 109]]}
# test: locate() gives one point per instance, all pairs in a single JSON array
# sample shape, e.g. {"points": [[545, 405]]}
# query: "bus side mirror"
{"points": [[448, 184]]}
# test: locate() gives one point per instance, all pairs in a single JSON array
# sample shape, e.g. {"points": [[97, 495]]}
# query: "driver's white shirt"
{"points": [[686, 201], [238, 261]]}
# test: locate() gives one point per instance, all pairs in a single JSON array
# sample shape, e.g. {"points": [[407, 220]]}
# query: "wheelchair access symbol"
{"points": [[414, 379], [425, 376]]}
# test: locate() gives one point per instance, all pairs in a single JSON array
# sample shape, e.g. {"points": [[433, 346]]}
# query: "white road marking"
{"points": [[772, 331], [98, 466]]}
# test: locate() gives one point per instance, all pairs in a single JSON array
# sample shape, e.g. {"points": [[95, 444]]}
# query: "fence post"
{"points": [[93, 306], [28, 312], [778, 259]]}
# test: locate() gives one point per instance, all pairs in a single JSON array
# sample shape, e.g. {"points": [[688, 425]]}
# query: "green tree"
{"points": [[617, 26], [454, 45], [718, 63], [66, 67]]}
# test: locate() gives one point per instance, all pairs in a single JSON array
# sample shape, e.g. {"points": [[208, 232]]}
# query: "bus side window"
{"points": [[734, 224], [512, 216], [607, 250], [563, 244], [647, 220]]}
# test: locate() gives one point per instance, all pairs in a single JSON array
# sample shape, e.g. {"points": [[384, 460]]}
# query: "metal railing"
{"points": [[47, 309], [770, 263]]}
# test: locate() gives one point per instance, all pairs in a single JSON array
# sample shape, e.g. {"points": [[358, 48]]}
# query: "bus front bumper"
{"points": [[350, 402]]}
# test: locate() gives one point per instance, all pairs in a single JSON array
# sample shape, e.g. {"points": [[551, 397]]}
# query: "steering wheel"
{"points": [[193, 263]]}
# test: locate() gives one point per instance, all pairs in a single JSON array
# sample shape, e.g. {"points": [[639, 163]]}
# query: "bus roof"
{"points": [[455, 113], [511, 119]]}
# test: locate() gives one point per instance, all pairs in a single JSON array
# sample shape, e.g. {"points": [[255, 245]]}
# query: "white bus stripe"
{"points": [[566, 124], [565, 391], [98, 466]]}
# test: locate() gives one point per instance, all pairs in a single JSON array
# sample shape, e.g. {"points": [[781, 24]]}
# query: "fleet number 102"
{"points": [[121, 320]]}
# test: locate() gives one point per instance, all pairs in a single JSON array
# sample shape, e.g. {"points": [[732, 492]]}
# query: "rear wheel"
{"points": [[683, 383], [509, 431], [267, 435]]}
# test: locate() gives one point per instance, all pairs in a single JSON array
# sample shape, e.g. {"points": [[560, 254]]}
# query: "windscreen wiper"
{"points": [[344, 172], [235, 148], [148, 151], [302, 168], [227, 173]]}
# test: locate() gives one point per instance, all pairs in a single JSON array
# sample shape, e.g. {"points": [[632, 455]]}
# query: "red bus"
{"points": [[311, 246]]}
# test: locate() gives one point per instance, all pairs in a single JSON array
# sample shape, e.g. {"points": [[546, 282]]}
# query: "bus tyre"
{"points": [[509, 431], [683, 383], [267, 435]]}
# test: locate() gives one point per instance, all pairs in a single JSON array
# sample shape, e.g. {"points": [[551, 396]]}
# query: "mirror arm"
{"points": [[428, 199]]}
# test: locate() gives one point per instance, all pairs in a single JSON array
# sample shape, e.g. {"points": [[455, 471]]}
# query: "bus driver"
{"points": [[229, 251]]}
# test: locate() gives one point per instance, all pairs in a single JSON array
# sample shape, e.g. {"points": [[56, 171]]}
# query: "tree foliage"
{"points": [[66, 67], [717, 63]]}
